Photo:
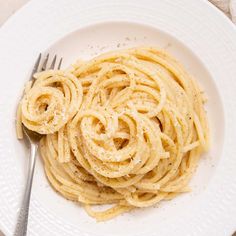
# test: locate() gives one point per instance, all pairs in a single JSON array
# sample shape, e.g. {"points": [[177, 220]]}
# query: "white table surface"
{"points": [[8, 7]]}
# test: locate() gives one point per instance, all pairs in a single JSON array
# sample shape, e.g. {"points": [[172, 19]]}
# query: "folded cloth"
{"points": [[227, 6]]}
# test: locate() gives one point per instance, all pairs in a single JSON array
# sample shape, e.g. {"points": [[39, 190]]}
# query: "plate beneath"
{"points": [[158, 23]]}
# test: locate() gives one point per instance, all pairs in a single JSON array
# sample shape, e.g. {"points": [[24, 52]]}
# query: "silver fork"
{"points": [[33, 139]]}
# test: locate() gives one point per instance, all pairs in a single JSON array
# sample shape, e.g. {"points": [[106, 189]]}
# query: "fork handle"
{"points": [[22, 222]]}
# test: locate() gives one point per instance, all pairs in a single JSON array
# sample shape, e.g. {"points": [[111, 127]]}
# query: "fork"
{"points": [[33, 139]]}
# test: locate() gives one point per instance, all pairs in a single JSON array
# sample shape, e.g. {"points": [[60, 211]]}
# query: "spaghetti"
{"points": [[125, 128]]}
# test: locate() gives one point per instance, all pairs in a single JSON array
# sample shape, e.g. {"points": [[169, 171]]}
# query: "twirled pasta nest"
{"points": [[125, 128]]}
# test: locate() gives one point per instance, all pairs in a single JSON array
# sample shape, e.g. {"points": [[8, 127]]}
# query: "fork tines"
{"points": [[45, 64]]}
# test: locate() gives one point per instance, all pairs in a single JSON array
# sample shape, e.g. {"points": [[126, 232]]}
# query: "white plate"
{"points": [[194, 30]]}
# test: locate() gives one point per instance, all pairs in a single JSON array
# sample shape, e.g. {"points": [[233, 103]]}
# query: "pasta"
{"points": [[126, 129]]}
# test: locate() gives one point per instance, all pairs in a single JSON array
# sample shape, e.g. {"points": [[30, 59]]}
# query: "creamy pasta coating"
{"points": [[126, 129]]}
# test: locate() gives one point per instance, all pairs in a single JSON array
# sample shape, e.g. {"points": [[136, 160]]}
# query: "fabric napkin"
{"points": [[228, 7]]}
